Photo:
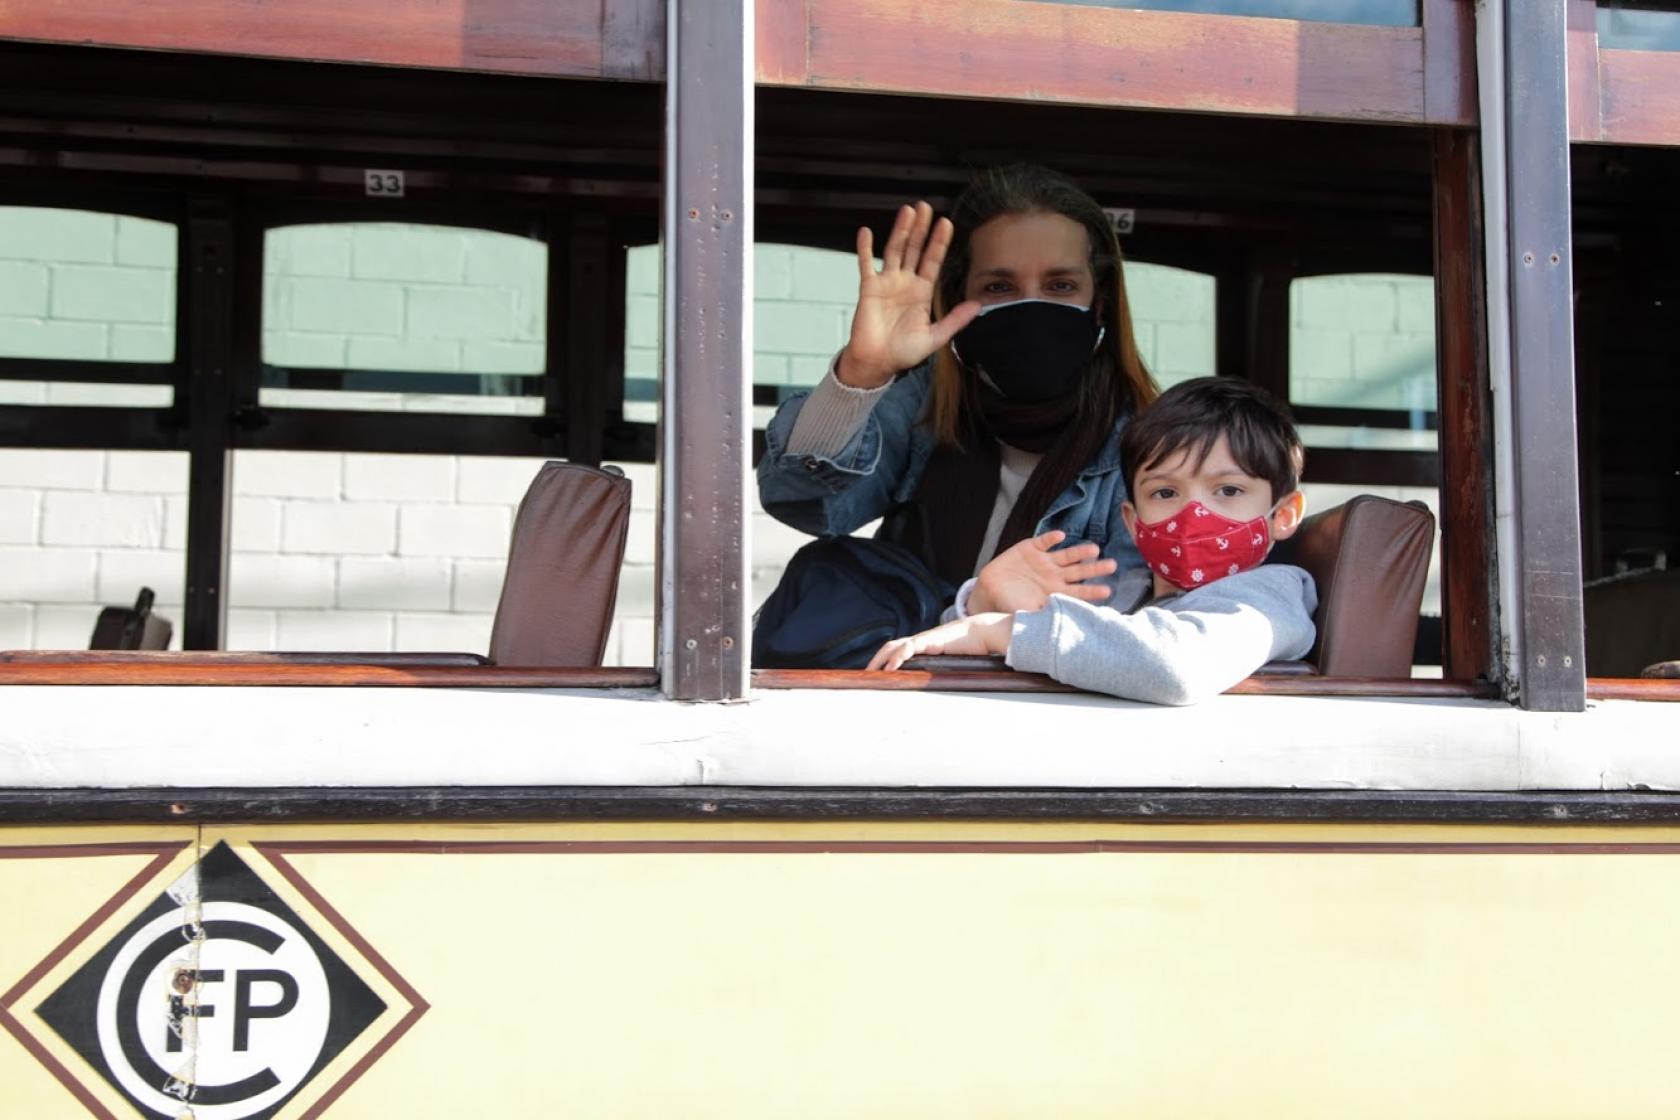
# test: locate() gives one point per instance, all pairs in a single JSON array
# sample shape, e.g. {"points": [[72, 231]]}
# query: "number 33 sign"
{"points": [[383, 184]]}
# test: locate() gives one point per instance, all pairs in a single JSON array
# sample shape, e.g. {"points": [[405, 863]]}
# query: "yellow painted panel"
{"points": [[1206, 981], [984, 984], [43, 900]]}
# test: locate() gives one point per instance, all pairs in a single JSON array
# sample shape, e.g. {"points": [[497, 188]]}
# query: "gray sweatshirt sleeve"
{"points": [[1184, 650], [831, 415]]}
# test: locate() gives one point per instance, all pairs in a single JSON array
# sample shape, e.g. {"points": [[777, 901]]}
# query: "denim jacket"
{"points": [[882, 465]]}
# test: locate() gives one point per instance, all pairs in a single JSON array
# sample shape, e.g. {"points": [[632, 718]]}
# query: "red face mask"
{"points": [[1196, 546]]}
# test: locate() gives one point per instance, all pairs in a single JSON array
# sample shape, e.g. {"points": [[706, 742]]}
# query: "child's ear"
{"points": [[1288, 516], [1128, 514]]}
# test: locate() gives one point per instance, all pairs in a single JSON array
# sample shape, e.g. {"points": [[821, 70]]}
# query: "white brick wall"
{"points": [[339, 528], [127, 520]]}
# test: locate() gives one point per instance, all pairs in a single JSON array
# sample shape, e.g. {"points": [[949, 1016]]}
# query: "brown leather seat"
{"points": [[562, 573], [1632, 621], [1369, 557]]}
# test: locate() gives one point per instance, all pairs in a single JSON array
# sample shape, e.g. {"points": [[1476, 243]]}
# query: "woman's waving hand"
{"points": [[893, 327]]}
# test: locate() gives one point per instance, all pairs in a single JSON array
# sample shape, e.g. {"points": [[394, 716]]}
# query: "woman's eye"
{"points": [[1063, 287], [997, 287]]}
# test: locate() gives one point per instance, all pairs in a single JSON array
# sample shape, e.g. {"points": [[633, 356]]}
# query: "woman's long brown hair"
{"points": [[1116, 381]]}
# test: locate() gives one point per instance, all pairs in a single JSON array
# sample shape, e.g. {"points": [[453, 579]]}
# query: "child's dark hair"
{"points": [[1194, 414]]}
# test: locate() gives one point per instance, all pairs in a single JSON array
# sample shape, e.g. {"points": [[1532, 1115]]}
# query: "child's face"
{"points": [[1164, 488]]}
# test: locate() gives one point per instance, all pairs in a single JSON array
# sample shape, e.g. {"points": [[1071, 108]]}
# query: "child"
{"points": [[1213, 467]]}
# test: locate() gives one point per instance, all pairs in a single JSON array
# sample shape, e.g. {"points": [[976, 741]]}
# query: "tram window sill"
{"points": [[421, 670]]}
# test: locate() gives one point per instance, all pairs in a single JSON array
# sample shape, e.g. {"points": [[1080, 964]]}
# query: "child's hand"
{"points": [[1025, 575], [978, 633]]}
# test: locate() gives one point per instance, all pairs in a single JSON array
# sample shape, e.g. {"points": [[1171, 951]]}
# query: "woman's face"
{"points": [[1030, 256]]}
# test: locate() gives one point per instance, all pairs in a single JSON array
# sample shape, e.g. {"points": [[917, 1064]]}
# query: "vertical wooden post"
{"points": [[210, 405], [706, 417], [1552, 672], [1467, 584]]}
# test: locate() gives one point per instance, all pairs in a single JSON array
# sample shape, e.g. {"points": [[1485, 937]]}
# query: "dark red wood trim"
{"points": [[1027, 51], [1449, 61], [191, 669], [1585, 106], [633, 39], [541, 37], [1633, 688], [1466, 437], [108, 658], [781, 28], [185, 669], [982, 680], [1640, 95]]}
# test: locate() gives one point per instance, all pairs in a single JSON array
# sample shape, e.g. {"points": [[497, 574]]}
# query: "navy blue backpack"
{"points": [[840, 600]]}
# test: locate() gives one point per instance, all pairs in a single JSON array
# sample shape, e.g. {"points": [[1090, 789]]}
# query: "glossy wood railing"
{"points": [[989, 680], [466, 670], [314, 670]]}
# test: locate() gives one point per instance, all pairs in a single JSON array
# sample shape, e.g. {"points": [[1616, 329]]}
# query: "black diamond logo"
{"points": [[217, 999]]}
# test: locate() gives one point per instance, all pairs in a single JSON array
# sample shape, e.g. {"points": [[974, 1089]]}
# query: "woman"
{"points": [[1007, 441]]}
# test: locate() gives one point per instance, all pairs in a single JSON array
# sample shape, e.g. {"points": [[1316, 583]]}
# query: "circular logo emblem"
{"points": [[227, 1017]]}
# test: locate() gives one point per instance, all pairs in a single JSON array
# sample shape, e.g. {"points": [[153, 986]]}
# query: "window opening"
{"points": [[1173, 320], [1362, 378], [1362, 361], [1632, 25], [87, 301], [393, 317], [83, 530]]}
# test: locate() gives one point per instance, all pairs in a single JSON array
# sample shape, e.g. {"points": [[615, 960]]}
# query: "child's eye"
{"points": [[1229, 490], [1162, 493]]}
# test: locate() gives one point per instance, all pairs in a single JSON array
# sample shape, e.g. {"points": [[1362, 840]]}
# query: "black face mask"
{"points": [[1031, 350]]}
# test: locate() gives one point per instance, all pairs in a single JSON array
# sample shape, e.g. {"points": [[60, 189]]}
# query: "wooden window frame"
{"points": [[987, 48]]}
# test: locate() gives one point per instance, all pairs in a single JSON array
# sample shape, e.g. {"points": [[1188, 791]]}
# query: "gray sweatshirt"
{"points": [[1174, 650]]}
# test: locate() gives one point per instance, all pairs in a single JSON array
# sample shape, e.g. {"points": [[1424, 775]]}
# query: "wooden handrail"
{"points": [[465, 670], [991, 680], [185, 669]]}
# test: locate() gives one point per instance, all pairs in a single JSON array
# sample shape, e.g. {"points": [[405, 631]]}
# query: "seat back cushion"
{"points": [[562, 574], [1369, 557]]}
